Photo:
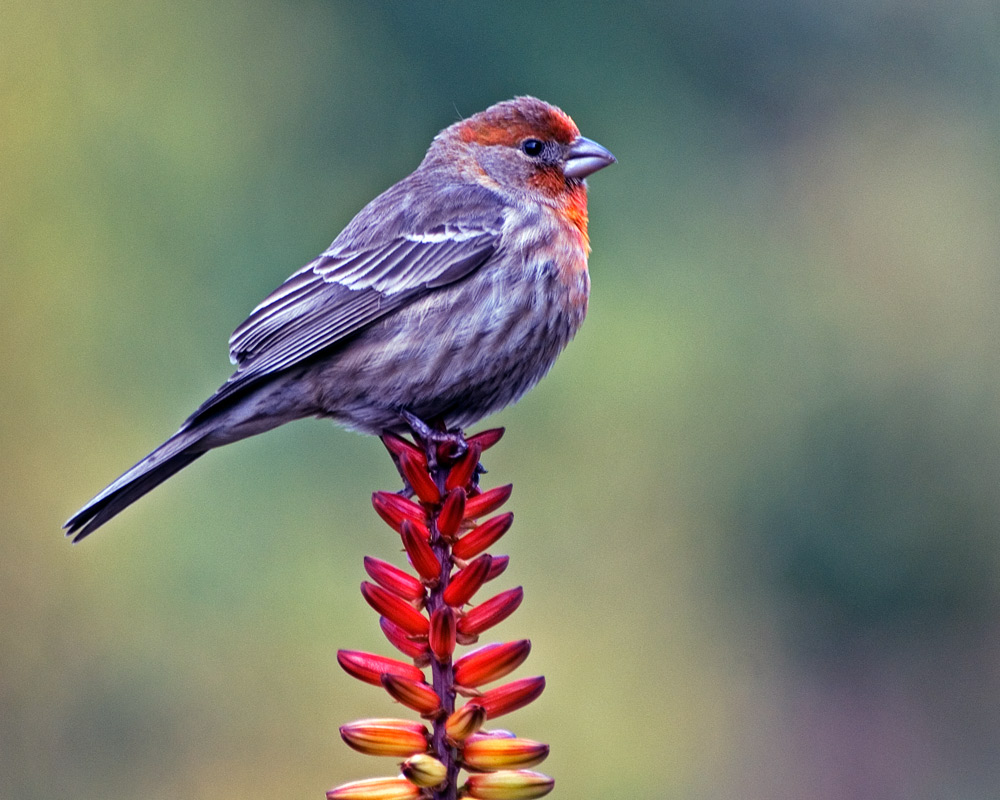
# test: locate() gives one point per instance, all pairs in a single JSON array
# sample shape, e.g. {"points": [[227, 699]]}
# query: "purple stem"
{"points": [[443, 674]]}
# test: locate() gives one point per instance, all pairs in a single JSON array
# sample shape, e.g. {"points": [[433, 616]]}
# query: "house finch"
{"points": [[445, 299]]}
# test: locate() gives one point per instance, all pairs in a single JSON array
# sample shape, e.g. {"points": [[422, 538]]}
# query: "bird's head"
{"points": [[523, 144]]}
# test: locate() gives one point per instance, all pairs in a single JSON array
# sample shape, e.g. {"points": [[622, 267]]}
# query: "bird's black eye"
{"points": [[532, 147]]}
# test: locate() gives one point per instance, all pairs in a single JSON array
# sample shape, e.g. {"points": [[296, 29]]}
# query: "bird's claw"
{"points": [[438, 444]]}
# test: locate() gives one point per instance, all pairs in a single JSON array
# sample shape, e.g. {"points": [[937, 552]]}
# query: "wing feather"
{"points": [[328, 302]]}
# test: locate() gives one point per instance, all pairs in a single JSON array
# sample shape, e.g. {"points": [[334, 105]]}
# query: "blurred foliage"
{"points": [[756, 499], [854, 554]]}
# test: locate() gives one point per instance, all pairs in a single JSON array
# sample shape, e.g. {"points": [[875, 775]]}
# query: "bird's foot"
{"points": [[439, 445], [439, 449]]}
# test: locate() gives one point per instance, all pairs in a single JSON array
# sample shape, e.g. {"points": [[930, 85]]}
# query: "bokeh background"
{"points": [[758, 514]]}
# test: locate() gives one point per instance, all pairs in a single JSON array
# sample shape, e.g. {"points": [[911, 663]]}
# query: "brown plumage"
{"points": [[448, 296]]}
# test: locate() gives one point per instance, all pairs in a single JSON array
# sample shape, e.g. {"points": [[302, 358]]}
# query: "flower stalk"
{"points": [[427, 616]]}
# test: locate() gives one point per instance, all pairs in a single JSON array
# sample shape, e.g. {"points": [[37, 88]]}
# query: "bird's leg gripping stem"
{"points": [[433, 439]]}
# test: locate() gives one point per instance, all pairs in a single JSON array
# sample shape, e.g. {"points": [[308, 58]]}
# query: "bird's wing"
{"points": [[368, 272], [341, 292]]}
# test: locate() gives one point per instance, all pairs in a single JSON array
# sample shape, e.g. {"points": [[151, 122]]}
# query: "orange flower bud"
{"points": [[489, 612], [394, 509], [415, 473], [385, 737], [424, 770], [491, 662], [376, 789], [394, 579], [487, 502], [486, 439], [520, 784], [464, 470], [420, 553], [490, 754], [412, 694], [481, 537], [466, 582], [451, 514], [370, 668], [465, 722], [395, 608], [511, 696]]}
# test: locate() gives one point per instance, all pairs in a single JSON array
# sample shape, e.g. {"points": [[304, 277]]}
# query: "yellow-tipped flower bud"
{"points": [[424, 770], [520, 784]]}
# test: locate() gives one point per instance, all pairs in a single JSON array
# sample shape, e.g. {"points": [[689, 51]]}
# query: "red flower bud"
{"points": [[414, 648], [376, 789], [487, 502], [497, 567], [370, 668], [397, 445], [464, 470], [415, 473], [511, 696], [466, 582], [412, 694], [394, 579], [442, 633], [395, 608], [483, 536], [420, 553], [489, 612], [465, 722], [385, 737], [486, 439], [451, 513], [394, 509], [491, 662], [519, 784]]}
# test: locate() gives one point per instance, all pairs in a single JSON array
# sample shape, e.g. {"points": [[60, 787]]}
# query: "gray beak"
{"points": [[585, 157]]}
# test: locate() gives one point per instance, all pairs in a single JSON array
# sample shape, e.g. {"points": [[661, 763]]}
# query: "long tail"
{"points": [[169, 458]]}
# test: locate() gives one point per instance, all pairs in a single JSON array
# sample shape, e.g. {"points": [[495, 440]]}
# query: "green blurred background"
{"points": [[757, 499]]}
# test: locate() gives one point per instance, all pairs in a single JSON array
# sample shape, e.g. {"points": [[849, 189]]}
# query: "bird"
{"points": [[444, 300]]}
